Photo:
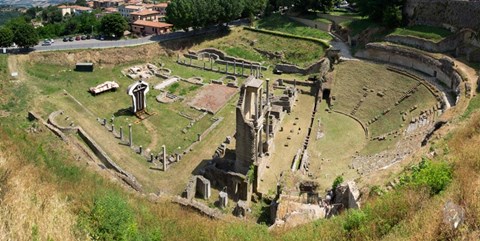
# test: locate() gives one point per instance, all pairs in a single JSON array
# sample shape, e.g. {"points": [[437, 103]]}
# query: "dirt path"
{"points": [[151, 129], [15, 65]]}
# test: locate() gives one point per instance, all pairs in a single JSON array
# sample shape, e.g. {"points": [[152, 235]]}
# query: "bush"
{"points": [[338, 180], [434, 175], [111, 218], [354, 219]]}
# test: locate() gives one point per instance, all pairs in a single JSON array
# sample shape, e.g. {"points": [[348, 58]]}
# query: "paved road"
{"points": [[95, 44]]}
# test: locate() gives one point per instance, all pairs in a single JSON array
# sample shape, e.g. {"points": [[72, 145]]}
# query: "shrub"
{"points": [[111, 218], [354, 219], [434, 175], [338, 180]]}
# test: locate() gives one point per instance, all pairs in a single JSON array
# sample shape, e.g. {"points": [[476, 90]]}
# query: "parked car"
{"points": [[89, 36], [65, 39], [77, 38], [71, 39], [47, 43], [83, 37]]}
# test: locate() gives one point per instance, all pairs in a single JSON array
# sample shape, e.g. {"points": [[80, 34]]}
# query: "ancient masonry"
{"points": [[258, 114]]}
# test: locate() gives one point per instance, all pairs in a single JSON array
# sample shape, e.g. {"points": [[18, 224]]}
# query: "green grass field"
{"points": [[242, 43], [52, 79], [282, 23], [358, 25], [434, 34]]}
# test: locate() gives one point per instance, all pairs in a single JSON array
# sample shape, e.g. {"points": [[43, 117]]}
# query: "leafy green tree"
{"points": [[113, 24], [81, 2], [52, 14], [200, 16], [25, 35], [31, 13], [386, 12], [231, 10], [253, 7], [180, 14], [6, 37]]}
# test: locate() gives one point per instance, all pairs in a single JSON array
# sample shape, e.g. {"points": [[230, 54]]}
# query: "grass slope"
{"points": [[242, 43], [434, 34], [281, 23]]}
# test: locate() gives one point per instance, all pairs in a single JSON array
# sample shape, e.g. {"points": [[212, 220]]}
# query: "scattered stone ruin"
{"points": [[299, 202]]}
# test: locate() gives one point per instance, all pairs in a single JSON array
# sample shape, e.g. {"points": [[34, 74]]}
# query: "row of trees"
{"points": [[305, 5], [19, 32], [185, 14], [22, 33]]}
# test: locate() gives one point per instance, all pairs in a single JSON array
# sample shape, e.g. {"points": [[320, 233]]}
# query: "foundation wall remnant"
{"points": [[322, 66]]}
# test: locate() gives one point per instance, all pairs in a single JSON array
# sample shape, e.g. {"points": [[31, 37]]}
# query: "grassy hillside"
{"points": [[282, 23], [434, 34]]}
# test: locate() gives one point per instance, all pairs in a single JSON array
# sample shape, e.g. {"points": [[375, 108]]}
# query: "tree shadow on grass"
{"points": [[123, 112], [187, 43]]}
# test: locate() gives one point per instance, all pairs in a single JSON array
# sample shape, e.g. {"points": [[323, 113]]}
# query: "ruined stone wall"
{"points": [[245, 142], [336, 19], [414, 59], [313, 24], [321, 67], [444, 13], [448, 44], [236, 184]]}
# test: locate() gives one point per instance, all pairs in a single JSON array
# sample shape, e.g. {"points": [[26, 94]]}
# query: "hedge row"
{"points": [[287, 35]]}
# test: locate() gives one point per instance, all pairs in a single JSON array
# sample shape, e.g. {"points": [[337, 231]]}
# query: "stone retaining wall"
{"points": [[313, 24], [442, 69], [448, 44], [96, 149], [321, 67], [336, 19]]}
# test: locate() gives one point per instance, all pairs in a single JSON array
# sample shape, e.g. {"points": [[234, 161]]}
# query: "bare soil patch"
{"points": [[213, 97]]}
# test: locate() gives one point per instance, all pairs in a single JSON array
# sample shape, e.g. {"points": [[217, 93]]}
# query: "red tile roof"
{"points": [[145, 12], [152, 24], [161, 5]]}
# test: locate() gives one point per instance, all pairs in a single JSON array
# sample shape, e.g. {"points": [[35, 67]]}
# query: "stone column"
{"points": [[113, 128], [104, 121], [151, 157], [223, 199], [234, 67], [243, 66], [121, 133], [130, 137], [140, 150], [211, 63], [199, 137], [267, 128], [164, 158]]}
